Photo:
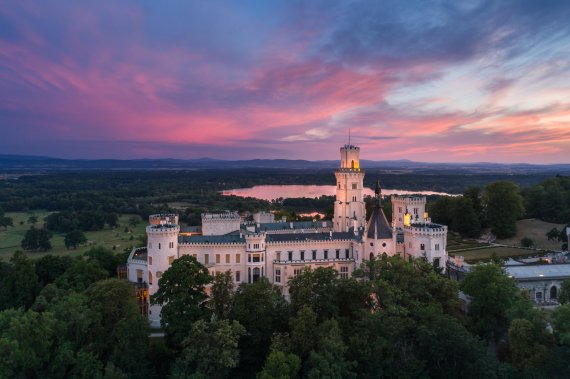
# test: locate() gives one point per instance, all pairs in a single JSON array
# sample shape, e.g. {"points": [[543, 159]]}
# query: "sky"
{"points": [[434, 81]]}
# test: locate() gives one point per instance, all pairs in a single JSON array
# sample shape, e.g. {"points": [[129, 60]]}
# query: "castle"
{"points": [[279, 250]]}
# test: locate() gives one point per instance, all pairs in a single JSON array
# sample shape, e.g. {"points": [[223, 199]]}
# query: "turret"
{"points": [[350, 157], [162, 249], [349, 209]]}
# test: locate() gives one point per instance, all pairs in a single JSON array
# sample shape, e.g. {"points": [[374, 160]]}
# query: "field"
{"points": [[535, 230], [485, 253], [11, 238]]}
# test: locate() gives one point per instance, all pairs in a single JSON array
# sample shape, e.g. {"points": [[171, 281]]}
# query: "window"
{"points": [[436, 262], [238, 278], [256, 258], [217, 258], [150, 261], [302, 255], [150, 245], [149, 277], [371, 243], [400, 211], [139, 276], [158, 274], [347, 253], [159, 246], [371, 256], [326, 252], [249, 257], [290, 255], [415, 211], [278, 256], [553, 293], [538, 296], [296, 271], [170, 259], [339, 185], [195, 256], [354, 185], [228, 259], [337, 254], [344, 272], [437, 246], [171, 245], [354, 198], [206, 259], [278, 275], [238, 258], [422, 246], [410, 244], [314, 254]]}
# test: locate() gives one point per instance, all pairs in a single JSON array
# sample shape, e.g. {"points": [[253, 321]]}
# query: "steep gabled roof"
{"points": [[378, 226]]}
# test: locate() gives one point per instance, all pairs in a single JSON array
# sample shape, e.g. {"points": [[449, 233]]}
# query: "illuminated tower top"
{"points": [[350, 157]]}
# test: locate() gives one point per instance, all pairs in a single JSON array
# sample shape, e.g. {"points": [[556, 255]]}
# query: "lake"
{"points": [[271, 192]]}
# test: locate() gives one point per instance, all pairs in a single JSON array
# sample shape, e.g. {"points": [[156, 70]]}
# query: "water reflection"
{"points": [[271, 192]]}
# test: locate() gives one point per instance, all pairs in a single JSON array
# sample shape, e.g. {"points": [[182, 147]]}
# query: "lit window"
{"points": [[238, 258]]}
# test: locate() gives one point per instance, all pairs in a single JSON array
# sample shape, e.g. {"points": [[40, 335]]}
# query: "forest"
{"points": [[68, 317]]}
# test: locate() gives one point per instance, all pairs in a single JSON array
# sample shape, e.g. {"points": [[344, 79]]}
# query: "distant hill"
{"points": [[25, 163]]}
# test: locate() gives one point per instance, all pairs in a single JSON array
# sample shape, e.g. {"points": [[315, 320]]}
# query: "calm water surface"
{"points": [[272, 192]]}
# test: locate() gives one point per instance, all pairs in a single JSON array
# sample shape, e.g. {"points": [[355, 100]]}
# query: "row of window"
{"points": [[423, 246], [170, 245], [170, 260], [313, 255], [256, 246], [353, 185], [415, 210]]}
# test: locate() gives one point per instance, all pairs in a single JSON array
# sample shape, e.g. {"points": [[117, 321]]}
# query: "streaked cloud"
{"points": [[425, 80]]}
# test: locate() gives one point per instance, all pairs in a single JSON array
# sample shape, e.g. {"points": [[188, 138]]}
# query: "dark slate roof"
{"points": [[191, 229], [233, 237], [378, 226], [428, 225], [297, 225], [310, 237]]}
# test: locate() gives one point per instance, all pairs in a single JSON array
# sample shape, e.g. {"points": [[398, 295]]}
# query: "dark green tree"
{"points": [[181, 293], [564, 296], [527, 242], [524, 349], [504, 206], [19, 284], [279, 365], [81, 274], [315, 288], [36, 239], [561, 324], [210, 350], [464, 218], [492, 294], [74, 238], [221, 295], [50, 267]]}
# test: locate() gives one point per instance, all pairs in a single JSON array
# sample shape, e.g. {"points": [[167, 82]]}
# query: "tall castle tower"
{"points": [[349, 209]]}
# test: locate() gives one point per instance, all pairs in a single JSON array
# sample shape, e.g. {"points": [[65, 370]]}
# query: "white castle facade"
{"points": [[280, 250]]}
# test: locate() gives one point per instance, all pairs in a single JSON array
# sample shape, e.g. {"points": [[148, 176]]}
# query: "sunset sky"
{"points": [[428, 81]]}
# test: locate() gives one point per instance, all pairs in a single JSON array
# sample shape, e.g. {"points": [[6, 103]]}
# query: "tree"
{"points": [[303, 331], [525, 351], [32, 220], [564, 296], [106, 258], [561, 324], [134, 221], [51, 267], [36, 239], [6, 222], [81, 274], [222, 294], [280, 366], [74, 238], [328, 360], [464, 218], [270, 309], [504, 206], [527, 242], [181, 292], [210, 350], [111, 219], [19, 285], [315, 289], [553, 234], [492, 293]]}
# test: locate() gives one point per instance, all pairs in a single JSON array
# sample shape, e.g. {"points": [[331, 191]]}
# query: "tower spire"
{"points": [[378, 192]]}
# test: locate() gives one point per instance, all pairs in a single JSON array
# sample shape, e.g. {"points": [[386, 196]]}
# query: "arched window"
{"points": [[256, 274], [351, 164], [553, 292]]}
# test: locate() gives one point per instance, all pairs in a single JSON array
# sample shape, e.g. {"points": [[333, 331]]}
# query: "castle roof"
{"points": [[378, 226], [233, 237], [271, 226], [289, 237]]}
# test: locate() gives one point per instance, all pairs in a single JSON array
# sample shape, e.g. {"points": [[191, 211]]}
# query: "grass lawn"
{"points": [[455, 242], [536, 230], [11, 238]]}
